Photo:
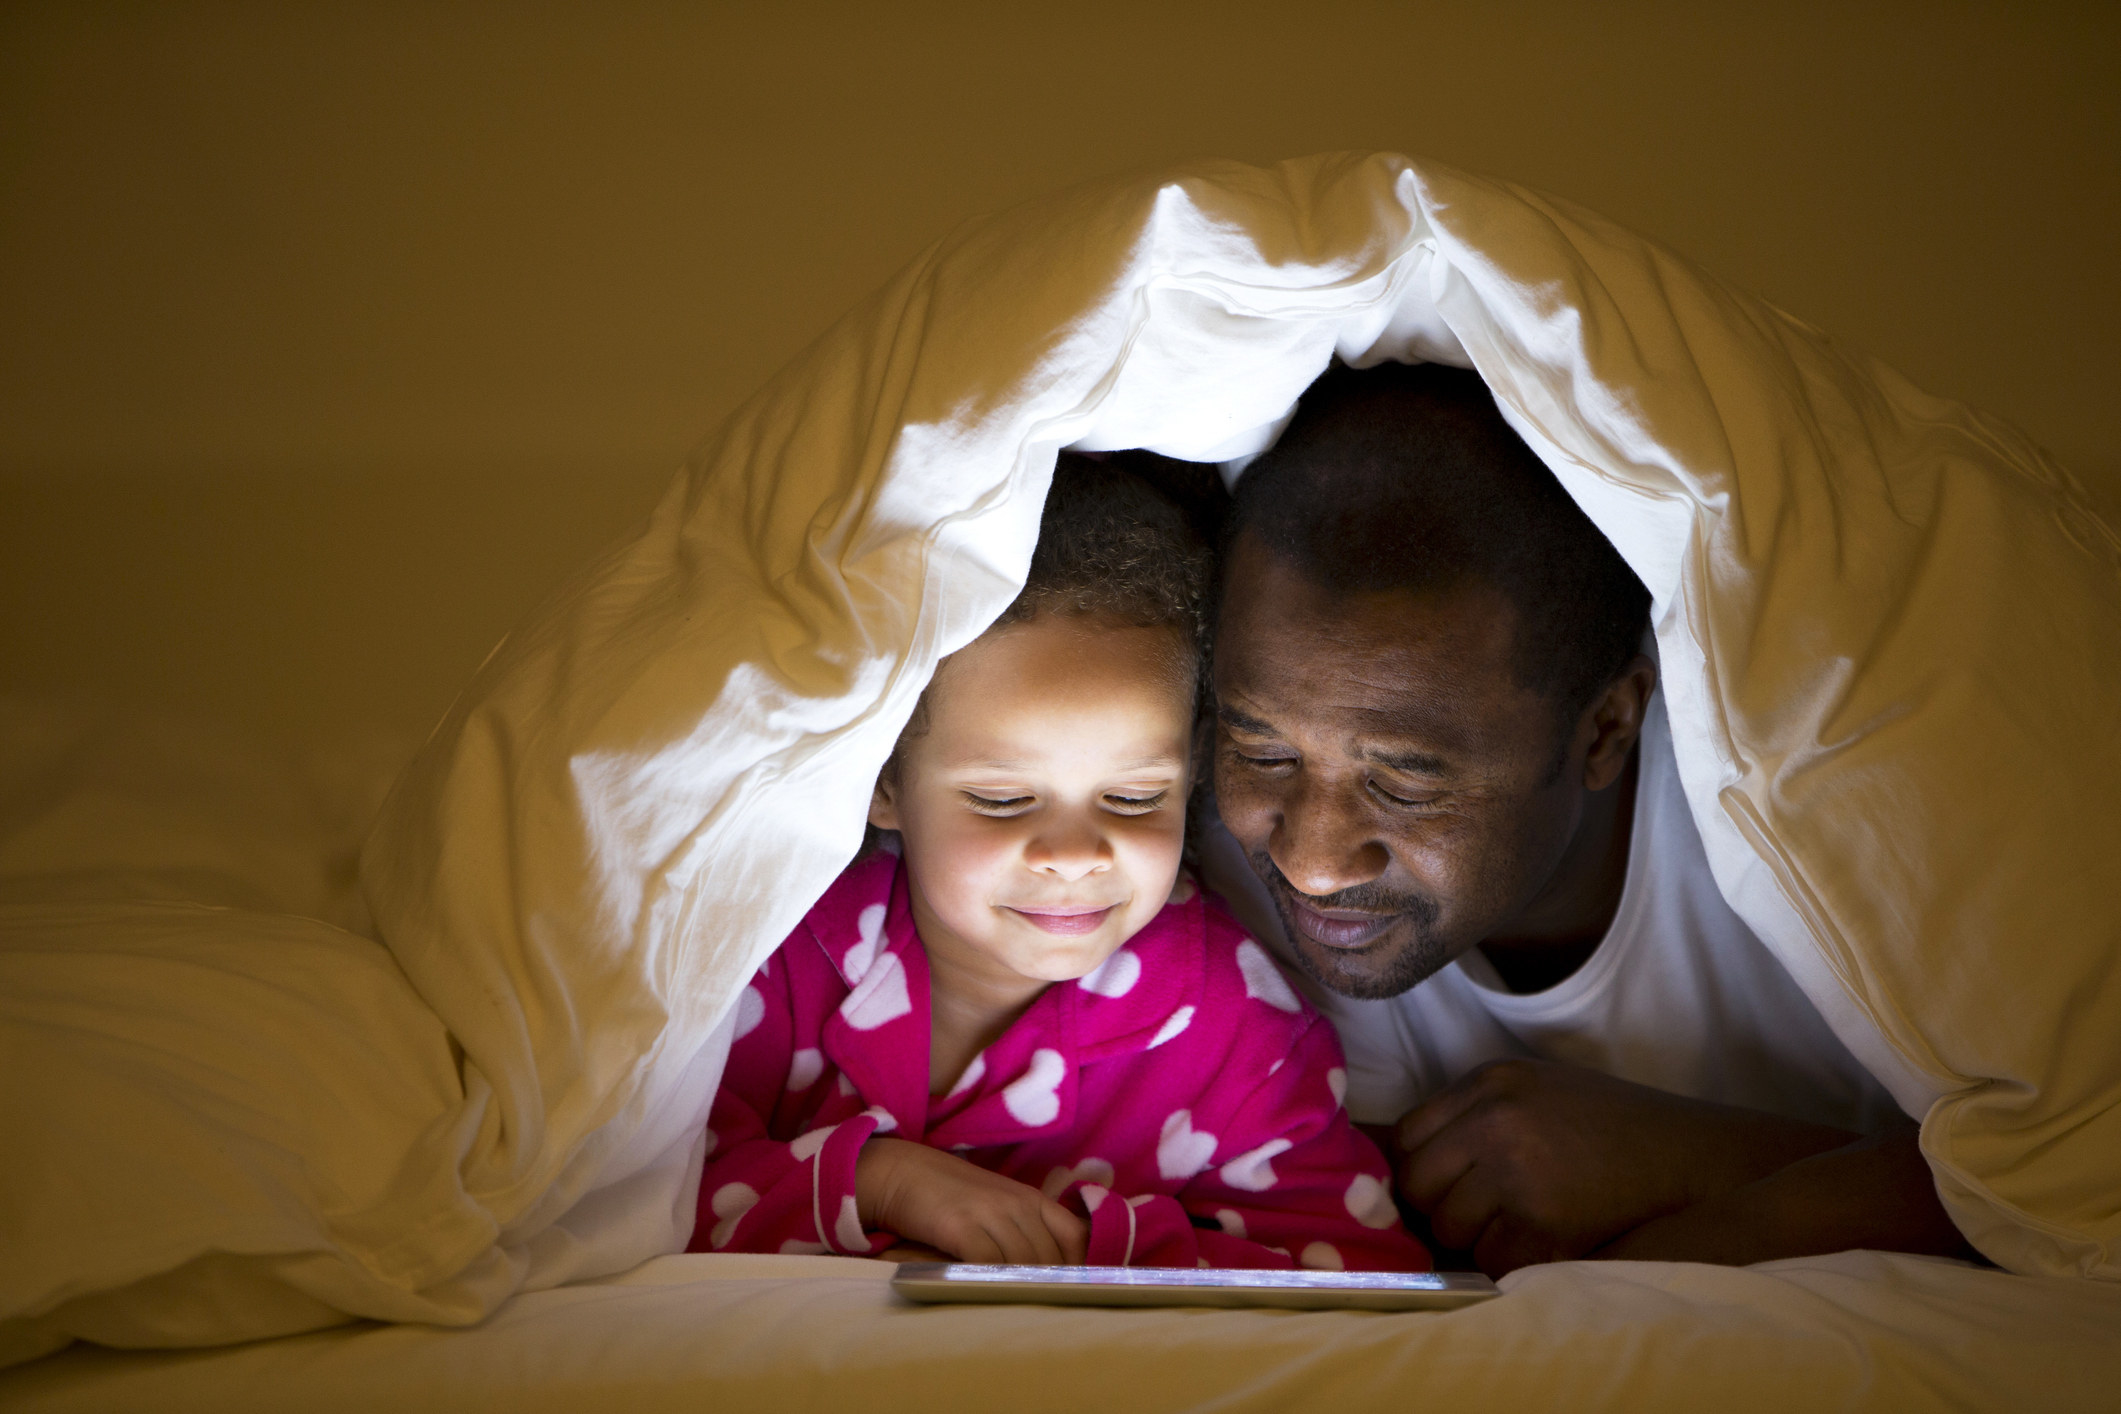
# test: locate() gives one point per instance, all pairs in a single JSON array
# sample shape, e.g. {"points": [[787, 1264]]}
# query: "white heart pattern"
{"points": [[1090, 1170], [797, 1247], [1370, 1202], [1033, 1098], [804, 1147], [730, 1202], [885, 1120], [1094, 1198], [1253, 1170], [712, 1140], [804, 1067], [880, 997], [847, 1232], [862, 956], [975, 1072], [1181, 1150], [1183, 888], [1175, 1023], [1263, 980], [1337, 1082], [1322, 1257], [1115, 976], [750, 1011], [1231, 1221]]}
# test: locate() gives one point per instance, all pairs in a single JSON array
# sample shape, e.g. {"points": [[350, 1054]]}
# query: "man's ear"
{"points": [[883, 802], [1615, 721]]}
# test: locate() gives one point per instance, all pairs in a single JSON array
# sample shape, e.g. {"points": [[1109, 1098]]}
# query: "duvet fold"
{"points": [[1890, 631]]}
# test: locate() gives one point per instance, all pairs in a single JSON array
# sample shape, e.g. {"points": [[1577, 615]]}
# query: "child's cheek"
{"points": [[1153, 849], [973, 858]]}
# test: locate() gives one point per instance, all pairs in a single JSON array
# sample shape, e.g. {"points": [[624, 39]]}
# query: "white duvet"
{"points": [[1891, 638]]}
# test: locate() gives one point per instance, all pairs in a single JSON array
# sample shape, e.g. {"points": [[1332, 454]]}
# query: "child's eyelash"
{"points": [[1009, 805]]}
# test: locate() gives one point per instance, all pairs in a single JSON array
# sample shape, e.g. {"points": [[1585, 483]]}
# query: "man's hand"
{"points": [[939, 1200], [1531, 1161], [1876, 1193]]}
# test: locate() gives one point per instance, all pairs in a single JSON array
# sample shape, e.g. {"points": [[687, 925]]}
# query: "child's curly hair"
{"points": [[1109, 542]]}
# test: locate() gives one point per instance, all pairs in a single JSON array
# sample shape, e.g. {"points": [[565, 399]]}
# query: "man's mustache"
{"points": [[1364, 898]]}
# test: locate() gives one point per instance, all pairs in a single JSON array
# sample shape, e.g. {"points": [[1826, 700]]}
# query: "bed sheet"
{"points": [[1858, 1331], [1859, 589], [109, 808]]}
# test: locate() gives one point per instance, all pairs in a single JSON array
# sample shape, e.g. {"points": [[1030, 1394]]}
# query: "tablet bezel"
{"points": [[929, 1283]]}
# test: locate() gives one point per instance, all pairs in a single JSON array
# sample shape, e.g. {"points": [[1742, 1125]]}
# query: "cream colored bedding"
{"points": [[124, 808], [1859, 1331], [1891, 638]]}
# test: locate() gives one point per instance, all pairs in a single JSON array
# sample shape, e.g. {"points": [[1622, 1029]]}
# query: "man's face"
{"points": [[1392, 784]]}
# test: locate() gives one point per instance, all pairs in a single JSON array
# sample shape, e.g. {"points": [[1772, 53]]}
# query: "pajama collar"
{"points": [[1139, 998]]}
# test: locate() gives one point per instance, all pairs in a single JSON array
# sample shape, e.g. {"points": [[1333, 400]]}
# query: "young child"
{"points": [[1016, 1032]]}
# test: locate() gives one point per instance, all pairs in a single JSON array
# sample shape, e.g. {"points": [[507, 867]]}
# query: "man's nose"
{"points": [[1069, 849], [1323, 842]]}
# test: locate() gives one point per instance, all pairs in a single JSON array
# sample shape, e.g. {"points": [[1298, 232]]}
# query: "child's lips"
{"points": [[1069, 920]]}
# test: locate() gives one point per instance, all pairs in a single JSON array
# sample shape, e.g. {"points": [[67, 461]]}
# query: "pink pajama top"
{"points": [[1182, 1097]]}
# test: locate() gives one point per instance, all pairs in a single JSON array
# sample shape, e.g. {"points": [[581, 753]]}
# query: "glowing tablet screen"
{"points": [[1199, 1276]]}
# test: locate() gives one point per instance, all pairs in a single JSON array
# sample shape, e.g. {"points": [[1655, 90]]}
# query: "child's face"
{"points": [[1043, 810]]}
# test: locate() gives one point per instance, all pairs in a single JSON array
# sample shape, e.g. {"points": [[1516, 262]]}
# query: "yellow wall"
{"points": [[331, 335]]}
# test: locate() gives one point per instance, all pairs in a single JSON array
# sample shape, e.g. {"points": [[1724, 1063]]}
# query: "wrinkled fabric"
{"points": [[1889, 626], [1852, 1333], [1182, 1097]]}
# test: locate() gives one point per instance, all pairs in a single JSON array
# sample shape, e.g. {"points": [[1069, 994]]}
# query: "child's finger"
{"points": [[1069, 1232], [1040, 1248], [1012, 1246], [979, 1244]]}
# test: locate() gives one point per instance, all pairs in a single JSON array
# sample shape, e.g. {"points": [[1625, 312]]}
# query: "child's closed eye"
{"points": [[999, 805], [1124, 804]]}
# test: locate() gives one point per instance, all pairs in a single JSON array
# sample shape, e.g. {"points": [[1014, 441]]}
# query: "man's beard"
{"points": [[1405, 968]]}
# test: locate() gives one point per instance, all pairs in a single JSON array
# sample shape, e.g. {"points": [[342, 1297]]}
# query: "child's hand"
{"points": [[926, 1195]]}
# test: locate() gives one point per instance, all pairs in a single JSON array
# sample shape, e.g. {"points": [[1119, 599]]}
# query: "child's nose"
{"points": [[1071, 851]]}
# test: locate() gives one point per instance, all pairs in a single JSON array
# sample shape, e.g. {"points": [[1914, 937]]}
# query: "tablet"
{"points": [[1199, 1286]]}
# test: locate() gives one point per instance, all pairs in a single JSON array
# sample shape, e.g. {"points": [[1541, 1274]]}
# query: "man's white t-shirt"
{"points": [[1680, 994]]}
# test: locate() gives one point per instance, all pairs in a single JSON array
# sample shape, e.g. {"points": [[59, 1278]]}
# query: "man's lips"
{"points": [[1339, 927], [1067, 919]]}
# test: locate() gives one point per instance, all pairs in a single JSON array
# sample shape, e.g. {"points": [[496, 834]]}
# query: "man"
{"points": [[1441, 751]]}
